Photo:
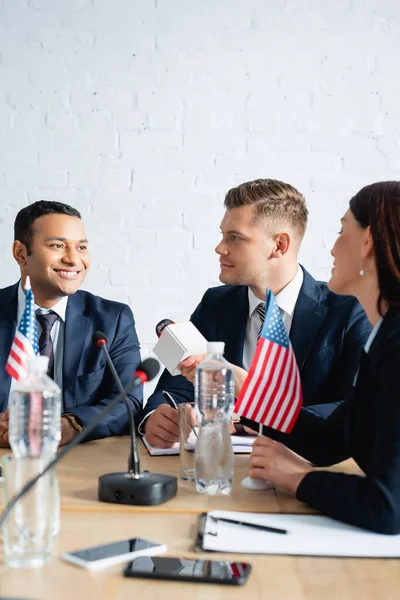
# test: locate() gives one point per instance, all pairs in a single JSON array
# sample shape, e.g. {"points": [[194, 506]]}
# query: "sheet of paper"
{"points": [[240, 445], [310, 535]]}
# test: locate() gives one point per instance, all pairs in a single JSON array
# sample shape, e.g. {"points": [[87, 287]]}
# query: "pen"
{"points": [[173, 404], [170, 399], [251, 525]]}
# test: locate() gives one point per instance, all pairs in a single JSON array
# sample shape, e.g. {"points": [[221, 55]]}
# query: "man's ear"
{"points": [[20, 253], [367, 244], [282, 244]]}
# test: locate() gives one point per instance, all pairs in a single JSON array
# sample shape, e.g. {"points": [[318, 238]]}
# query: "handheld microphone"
{"points": [[99, 339], [145, 371], [162, 325], [177, 341]]}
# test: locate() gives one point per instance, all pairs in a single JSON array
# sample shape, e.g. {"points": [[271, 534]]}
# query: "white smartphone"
{"points": [[100, 557]]}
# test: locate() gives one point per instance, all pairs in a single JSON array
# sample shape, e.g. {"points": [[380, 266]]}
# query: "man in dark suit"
{"points": [[262, 229], [51, 248]]}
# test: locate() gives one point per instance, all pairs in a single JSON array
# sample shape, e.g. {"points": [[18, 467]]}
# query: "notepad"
{"points": [[240, 445], [309, 535]]}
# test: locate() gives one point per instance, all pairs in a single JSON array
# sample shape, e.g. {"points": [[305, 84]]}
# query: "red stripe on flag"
{"points": [[12, 372], [287, 381], [290, 383], [272, 373], [243, 397], [16, 356], [250, 406]]}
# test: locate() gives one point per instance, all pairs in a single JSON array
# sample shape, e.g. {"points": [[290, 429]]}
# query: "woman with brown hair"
{"points": [[367, 427]]}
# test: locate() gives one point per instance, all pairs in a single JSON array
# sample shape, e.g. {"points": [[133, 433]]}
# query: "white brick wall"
{"points": [[142, 113]]}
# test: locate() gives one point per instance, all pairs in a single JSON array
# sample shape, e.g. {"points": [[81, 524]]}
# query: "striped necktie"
{"points": [[261, 311]]}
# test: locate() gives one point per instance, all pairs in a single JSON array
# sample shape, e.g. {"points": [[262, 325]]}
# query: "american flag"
{"points": [[271, 393], [25, 342]]}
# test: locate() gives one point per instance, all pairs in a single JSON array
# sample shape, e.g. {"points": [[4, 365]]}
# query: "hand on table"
{"points": [[161, 428], [274, 462], [68, 431], [4, 425]]}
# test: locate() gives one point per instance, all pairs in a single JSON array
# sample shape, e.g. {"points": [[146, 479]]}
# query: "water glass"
{"points": [[27, 532], [187, 439]]}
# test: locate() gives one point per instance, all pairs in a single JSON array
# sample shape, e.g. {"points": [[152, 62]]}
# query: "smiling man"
{"points": [[51, 246], [262, 229]]}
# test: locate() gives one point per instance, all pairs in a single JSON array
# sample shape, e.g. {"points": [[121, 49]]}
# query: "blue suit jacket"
{"points": [[328, 333], [87, 384]]}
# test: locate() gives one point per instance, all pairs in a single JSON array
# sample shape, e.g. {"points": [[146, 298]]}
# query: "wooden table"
{"points": [[85, 521], [78, 475], [273, 577]]}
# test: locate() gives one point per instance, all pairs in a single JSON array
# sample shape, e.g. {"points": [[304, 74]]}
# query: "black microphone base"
{"points": [[147, 490]]}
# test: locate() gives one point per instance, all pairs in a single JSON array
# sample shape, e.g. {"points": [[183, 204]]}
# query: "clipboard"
{"points": [[308, 535]]}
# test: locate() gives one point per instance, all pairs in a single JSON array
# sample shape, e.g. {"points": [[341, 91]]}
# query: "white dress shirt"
{"points": [[57, 334], [286, 301]]}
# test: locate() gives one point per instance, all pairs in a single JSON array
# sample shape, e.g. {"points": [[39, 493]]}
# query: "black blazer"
{"points": [[87, 384], [328, 333], [366, 428]]}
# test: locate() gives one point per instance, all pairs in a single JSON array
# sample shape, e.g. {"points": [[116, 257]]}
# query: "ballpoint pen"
{"points": [[169, 399], [251, 525]]}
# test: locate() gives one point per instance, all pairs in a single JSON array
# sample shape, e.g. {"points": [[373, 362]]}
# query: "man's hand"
{"points": [[4, 424], [68, 431], [272, 461], [240, 376], [188, 366], [161, 428]]}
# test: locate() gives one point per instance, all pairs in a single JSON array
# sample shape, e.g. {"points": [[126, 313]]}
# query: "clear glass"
{"points": [[27, 533], [214, 399], [187, 439]]}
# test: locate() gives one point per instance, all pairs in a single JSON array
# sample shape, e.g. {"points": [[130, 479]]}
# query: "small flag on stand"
{"points": [[25, 342], [271, 394]]}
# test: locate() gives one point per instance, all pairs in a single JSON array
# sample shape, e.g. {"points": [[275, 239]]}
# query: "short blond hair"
{"points": [[273, 200]]}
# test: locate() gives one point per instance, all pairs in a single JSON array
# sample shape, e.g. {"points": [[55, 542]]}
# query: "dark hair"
{"points": [[378, 206], [273, 200], [23, 230]]}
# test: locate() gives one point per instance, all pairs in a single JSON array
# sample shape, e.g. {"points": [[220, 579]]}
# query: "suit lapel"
{"points": [[232, 328], [8, 325], [308, 317], [74, 340]]}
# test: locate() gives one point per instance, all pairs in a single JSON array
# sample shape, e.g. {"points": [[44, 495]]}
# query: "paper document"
{"points": [[240, 445], [310, 535]]}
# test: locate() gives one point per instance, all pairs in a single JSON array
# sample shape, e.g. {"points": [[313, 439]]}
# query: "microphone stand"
{"points": [[133, 463]]}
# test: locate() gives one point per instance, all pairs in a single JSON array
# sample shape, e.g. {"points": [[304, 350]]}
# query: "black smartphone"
{"points": [[187, 569]]}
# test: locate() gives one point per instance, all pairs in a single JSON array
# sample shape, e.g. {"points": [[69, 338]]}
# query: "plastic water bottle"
{"points": [[214, 399], [35, 413], [35, 423]]}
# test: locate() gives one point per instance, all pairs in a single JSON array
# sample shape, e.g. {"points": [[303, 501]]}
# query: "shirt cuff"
{"points": [[142, 422]]}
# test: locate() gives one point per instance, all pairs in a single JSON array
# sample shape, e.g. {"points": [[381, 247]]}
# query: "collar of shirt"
{"points": [[60, 308], [372, 336], [287, 297]]}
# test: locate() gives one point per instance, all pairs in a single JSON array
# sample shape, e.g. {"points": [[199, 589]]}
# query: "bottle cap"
{"points": [[38, 363], [215, 347]]}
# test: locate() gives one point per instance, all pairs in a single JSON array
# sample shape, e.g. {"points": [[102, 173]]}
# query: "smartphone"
{"points": [[187, 569], [99, 557]]}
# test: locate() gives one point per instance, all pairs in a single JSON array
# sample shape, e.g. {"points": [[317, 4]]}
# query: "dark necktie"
{"points": [[47, 321], [261, 311]]}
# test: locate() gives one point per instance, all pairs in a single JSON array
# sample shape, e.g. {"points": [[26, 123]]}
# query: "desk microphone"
{"points": [[132, 487], [145, 371]]}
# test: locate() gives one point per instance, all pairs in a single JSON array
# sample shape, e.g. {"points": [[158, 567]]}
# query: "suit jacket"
{"points": [[88, 385], [365, 427], [328, 333]]}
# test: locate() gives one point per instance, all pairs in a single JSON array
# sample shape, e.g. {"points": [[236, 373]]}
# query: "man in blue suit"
{"points": [[262, 229], [51, 248]]}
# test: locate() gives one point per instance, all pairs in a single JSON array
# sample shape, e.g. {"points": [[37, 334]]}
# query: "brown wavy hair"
{"points": [[273, 200], [378, 206]]}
